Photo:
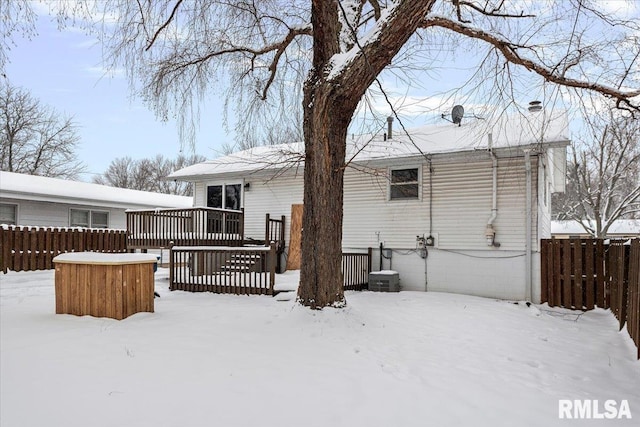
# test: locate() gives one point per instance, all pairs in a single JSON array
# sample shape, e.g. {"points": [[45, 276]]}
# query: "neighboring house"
{"points": [[467, 191], [620, 229], [42, 201]]}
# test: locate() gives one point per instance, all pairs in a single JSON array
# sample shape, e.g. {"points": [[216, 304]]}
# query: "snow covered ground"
{"points": [[403, 359]]}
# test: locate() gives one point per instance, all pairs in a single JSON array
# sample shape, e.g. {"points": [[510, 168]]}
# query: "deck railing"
{"points": [[356, 267], [274, 233], [223, 270], [160, 228]]}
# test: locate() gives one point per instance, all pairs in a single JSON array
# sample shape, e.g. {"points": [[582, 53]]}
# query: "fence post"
{"points": [[633, 301]]}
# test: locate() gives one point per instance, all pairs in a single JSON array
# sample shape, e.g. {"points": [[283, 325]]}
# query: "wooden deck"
{"points": [[163, 228]]}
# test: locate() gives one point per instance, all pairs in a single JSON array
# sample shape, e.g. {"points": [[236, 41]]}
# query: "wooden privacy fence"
{"points": [[355, 269], [24, 248], [584, 273], [222, 269]]}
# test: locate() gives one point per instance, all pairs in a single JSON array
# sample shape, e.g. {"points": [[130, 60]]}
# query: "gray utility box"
{"points": [[384, 281]]}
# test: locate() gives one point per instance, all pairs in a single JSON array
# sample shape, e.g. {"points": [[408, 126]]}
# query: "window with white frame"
{"points": [[404, 183], [8, 214], [225, 196], [99, 219], [88, 218]]}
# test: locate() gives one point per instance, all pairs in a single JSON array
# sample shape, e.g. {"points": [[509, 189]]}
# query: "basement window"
{"points": [[404, 184]]}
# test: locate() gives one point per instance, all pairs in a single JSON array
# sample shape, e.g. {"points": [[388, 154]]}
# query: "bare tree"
{"points": [[16, 16], [34, 138], [176, 51], [148, 174], [603, 175], [163, 167]]}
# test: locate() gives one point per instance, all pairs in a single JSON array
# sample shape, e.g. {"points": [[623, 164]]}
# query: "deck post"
{"points": [[282, 231], [171, 266], [272, 267], [241, 232]]}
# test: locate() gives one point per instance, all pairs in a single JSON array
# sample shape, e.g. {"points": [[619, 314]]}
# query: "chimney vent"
{"points": [[535, 106], [390, 127]]}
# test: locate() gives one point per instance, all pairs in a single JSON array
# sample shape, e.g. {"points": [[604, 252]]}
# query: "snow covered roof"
{"points": [[32, 187], [506, 133], [621, 227]]}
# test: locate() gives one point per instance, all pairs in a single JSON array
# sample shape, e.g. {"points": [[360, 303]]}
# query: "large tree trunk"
{"points": [[325, 132], [328, 108]]}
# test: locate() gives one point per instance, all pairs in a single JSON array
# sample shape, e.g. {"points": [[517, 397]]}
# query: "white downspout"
{"points": [[490, 232], [528, 218]]}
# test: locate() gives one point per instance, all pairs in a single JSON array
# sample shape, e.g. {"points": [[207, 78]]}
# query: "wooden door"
{"points": [[295, 240]]}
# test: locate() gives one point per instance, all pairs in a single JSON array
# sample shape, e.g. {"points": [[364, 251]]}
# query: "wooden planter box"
{"points": [[104, 285]]}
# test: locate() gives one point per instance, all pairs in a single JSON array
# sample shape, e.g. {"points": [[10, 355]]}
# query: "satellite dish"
{"points": [[456, 114]]}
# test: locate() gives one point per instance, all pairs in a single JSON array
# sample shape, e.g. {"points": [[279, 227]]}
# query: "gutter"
{"points": [[528, 218], [490, 232]]}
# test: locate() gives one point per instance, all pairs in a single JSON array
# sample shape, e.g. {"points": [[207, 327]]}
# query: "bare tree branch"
{"points": [[510, 52], [165, 25]]}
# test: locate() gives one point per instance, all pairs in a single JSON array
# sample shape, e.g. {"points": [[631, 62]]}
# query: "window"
{"points": [[79, 218], [214, 196], [404, 184], [99, 219], [8, 214], [88, 218], [232, 196]]}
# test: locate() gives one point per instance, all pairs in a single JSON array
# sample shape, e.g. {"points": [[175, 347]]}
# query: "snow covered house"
{"points": [[51, 202], [453, 208]]}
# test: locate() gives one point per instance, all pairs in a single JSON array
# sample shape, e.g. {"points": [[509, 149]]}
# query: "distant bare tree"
{"points": [[34, 138], [148, 174], [603, 174], [281, 132]]}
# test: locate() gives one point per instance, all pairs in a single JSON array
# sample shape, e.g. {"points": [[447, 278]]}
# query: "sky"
{"points": [[63, 70]]}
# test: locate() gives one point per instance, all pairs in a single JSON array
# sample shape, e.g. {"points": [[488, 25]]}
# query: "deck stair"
{"points": [[242, 263]]}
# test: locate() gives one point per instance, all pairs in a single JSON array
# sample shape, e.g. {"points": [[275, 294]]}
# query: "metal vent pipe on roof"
{"points": [[535, 106], [390, 127]]}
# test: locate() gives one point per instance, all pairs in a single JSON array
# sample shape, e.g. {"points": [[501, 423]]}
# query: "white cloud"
{"points": [[623, 9], [102, 71]]}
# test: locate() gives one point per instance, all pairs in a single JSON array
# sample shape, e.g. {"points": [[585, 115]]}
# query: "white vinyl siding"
{"points": [[48, 214], [265, 195], [462, 201], [273, 197], [544, 195]]}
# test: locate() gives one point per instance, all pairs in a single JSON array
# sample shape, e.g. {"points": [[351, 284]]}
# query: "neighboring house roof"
{"points": [[507, 133], [40, 188], [621, 227]]}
